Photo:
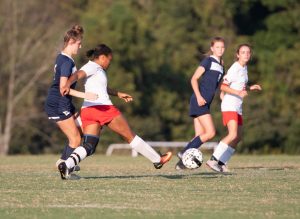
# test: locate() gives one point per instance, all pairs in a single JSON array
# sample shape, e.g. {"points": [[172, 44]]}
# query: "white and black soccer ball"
{"points": [[192, 158]]}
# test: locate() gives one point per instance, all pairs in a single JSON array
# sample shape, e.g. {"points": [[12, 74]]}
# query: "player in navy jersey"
{"points": [[101, 112], [60, 108], [210, 73], [233, 93]]}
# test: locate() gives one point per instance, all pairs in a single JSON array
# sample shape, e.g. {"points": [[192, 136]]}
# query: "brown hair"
{"points": [[216, 39], [240, 46], [99, 50], [75, 33]]}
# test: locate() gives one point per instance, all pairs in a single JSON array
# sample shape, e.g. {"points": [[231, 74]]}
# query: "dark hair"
{"points": [[75, 33], [240, 46], [99, 50]]}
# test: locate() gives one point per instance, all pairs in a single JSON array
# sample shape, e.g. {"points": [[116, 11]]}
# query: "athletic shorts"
{"points": [[100, 114], [232, 115], [196, 110], [59, 114]]}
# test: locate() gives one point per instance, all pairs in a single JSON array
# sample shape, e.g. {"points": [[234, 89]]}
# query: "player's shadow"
{"points": [[168, 176]]}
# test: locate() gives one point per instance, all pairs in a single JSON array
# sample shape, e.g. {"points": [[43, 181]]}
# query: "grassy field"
{"points": [[125, 187]]}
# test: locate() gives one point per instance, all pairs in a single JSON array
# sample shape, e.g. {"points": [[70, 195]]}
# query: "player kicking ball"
{"points": [[101, 112], [233, 92]]}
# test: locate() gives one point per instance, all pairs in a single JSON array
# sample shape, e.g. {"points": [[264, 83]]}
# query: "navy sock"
{"points": [[67, 152], [195, 143], [63, 154]]}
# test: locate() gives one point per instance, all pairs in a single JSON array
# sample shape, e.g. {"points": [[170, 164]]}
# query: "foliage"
{"points": [[157, 46]]}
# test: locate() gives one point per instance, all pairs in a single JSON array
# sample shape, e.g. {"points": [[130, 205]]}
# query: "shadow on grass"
{"points": [[170, 176]]}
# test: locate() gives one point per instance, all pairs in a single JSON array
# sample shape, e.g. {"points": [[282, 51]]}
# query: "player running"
{"points": [[101, 112], [60, 108], [210, 73], [234, 87]]}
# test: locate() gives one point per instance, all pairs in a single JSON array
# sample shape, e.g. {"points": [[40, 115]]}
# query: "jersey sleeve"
{"points": [[88, 70], [206, 63], [228, 78], [66, 69]]}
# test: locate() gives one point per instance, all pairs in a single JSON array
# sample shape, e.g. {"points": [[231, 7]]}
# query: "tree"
{"points": [[28, 27]]}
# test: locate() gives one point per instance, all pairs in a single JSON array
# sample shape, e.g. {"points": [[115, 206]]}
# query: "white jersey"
{"points": [[96, 82], [236, 78]]}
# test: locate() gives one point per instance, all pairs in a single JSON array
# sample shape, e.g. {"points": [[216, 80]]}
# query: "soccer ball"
{"points": [[192, 158]]}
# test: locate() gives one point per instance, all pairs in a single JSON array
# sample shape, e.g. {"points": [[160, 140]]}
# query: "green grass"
{"points": [[125, 187]]}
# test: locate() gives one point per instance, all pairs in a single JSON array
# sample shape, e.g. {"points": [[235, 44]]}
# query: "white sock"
{"points": [[145, 149], [227, 155], [220, 149], [78, 155]]}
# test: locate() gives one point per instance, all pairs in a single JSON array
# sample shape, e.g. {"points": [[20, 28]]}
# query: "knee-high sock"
{"points": [[220, 149], [66, 152], [145, 149], [195, 143], [78, 155], [225, 157]]}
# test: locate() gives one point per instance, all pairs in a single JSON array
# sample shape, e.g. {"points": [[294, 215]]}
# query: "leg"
{"points": [[121, 127], [199, 129], [69, 128], [206, 126], [90, 141]]}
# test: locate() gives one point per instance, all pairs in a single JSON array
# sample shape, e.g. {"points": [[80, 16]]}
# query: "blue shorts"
{"points": [[196, 110], [59, 114]]}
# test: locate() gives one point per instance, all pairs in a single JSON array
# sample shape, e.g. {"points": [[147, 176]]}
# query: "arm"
{"points": [[241, 93], [65, 83], [87, 95], [194, 82], [255, 87], [124, 96]]}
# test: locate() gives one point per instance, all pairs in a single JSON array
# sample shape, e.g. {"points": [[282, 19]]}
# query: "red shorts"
{"points": [[232, 115], [100, 114]]}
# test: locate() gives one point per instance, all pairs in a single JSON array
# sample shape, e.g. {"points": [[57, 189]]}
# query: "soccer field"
{"points": [[125, 187]]}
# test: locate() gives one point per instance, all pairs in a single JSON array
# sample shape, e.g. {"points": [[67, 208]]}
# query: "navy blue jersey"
{"points": [[208, 85], [55, 102], [211, 78]]}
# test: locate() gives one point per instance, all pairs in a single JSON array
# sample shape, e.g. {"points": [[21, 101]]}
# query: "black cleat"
{"points": [[63, 170], [180, 166]]}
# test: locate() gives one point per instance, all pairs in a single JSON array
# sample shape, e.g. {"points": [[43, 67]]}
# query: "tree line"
{"points": [[157, 45]]}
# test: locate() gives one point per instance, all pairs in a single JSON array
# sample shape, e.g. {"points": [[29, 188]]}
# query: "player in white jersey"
{"points": [[233, 92], [101, 112]]}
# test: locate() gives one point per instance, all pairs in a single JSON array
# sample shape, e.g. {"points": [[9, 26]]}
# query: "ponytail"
{"points": [[99, 50]]}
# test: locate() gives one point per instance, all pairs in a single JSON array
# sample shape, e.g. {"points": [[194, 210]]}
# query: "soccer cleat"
{"points": [[180, 166], [225, 169], [163, 159], [58, 162], [212, 164], [76, 168], [63, 170], [179, 155]]}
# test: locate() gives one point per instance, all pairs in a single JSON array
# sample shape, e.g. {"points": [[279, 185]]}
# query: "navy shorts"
{"points": [[196, 110], [59, 114]]}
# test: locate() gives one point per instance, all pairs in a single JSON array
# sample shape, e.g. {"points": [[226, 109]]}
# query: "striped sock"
{"points": [[78, 155]]}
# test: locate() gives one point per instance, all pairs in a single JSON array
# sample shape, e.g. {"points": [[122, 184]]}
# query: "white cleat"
{"points": [[212, 164], [225, 169]]}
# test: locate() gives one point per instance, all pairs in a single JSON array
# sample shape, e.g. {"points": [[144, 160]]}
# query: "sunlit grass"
{"points": [[125, 187]]}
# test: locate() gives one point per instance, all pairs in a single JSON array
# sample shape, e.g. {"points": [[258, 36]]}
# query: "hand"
{"points": [[91, 96], [201, 101], [64, 90], [242, 93], [125, 97], [255, 87]]}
